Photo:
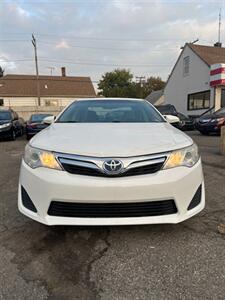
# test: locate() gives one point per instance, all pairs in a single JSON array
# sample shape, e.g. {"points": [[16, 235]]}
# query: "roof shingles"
{"points": [[210, 55], [50, 86]]}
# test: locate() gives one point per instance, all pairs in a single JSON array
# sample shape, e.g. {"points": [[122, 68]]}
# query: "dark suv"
{"points": [[11, 125], [185, 123]]}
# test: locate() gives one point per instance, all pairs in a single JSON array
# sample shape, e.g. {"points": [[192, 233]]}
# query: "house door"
{"points": [[223, 98]]}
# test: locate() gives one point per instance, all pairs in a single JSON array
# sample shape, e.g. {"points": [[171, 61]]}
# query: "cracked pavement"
{"points": [[183, 261]]}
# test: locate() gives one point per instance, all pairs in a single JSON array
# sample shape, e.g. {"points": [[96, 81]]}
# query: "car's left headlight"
{"points": [[36, 158], [187, 157], [5, 125]]}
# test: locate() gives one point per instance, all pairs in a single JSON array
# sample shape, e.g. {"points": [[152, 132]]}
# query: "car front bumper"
{"points": [[212, 127], [5, 132], [46, 185]]}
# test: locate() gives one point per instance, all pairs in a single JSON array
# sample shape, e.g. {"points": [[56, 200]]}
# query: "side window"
{"points": [[186, 66], [1, 102]]}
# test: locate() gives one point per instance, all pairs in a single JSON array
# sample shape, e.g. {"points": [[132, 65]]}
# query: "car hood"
{"points": [[111, 139], [211, 117], [4, 122]]}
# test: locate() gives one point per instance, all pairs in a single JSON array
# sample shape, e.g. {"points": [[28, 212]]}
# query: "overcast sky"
{"points": [[91, 37]]}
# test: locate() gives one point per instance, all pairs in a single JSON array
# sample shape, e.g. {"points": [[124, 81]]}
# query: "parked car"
{"points": [[35, 124], [185, 122], [11, 125], [110, 162], [211, 122], [169, 110]]}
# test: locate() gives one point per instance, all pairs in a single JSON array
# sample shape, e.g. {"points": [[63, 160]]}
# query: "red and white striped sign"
{"points": [[217, 74]]}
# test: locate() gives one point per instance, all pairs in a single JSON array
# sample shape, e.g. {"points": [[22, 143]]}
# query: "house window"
{"points": [[199, 100], [1, 102], [51, 102], [186, 64]]}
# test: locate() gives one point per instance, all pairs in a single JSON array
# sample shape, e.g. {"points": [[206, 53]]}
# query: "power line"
{"points": [[9, 40], [87, 63], [75, 37], [131, 49], [111, 39], [108, 48], [143, 3]]}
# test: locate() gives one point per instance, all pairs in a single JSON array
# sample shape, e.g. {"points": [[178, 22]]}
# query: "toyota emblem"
{"points": [[113, 166]]}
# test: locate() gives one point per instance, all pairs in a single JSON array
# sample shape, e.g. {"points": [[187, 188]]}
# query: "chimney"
{"points": [[218, 44], [63, 70]]}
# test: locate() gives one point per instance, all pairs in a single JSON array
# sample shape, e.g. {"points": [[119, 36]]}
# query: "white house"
{"points": [[156, 97], [21, 90], [196, 81]]}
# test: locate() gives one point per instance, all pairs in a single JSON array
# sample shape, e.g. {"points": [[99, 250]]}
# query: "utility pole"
{"points": [[51, 69], [36, 65], [141, 81]]}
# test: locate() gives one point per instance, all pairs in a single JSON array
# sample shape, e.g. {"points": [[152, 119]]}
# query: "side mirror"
{"points": [[171, 119], [49, 120]]}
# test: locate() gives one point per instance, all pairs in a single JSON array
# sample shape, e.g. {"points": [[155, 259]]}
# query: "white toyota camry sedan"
{"points": [[110, 162]]}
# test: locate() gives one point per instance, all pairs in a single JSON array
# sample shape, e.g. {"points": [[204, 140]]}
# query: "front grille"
{"points": [[81, 170], [112, 210]]}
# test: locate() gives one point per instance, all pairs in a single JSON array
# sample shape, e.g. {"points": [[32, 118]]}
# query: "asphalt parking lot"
{"points": [[183, 261]]}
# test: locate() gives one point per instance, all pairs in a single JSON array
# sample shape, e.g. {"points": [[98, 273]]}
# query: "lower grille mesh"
{"points": [[112, 210]]}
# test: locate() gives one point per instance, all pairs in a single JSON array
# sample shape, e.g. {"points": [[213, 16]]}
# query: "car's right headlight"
{"points": [[5, 125], [187, 157], [36, 158]]}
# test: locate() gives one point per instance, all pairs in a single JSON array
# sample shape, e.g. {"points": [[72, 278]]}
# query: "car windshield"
{"points": [[110, 111], [39, 118], [5, 115], [220, 111]]}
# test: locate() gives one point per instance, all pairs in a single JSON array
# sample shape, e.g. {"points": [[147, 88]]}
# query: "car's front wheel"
{"points": [[21, 132], [13, 135]]}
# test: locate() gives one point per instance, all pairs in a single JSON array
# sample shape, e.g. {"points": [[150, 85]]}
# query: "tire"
{"points": [[204, 132], [13, 135]]}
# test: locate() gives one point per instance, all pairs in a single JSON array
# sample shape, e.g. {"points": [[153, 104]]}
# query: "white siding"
{"points": [[19, 101], [32, 101], [179, 86]]}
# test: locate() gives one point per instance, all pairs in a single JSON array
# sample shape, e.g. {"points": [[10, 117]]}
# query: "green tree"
{"points": [[117, 83], [152, 84]]}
